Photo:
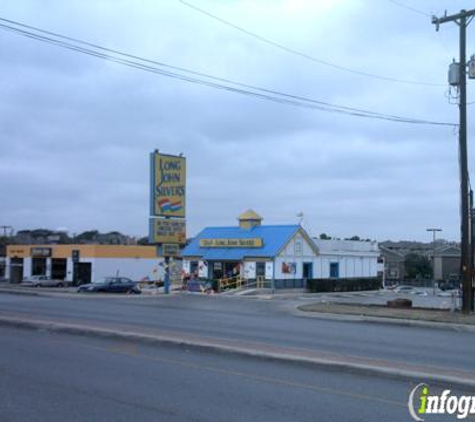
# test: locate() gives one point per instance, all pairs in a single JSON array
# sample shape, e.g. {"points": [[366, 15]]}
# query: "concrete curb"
{"points": [[45, 292], [336, 364], [385, 320], [18, 292]]}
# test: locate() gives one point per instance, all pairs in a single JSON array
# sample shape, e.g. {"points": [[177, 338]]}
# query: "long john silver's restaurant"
{"points": [[277, 256]]}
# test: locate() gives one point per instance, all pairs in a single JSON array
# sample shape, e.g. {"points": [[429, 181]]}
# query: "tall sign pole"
{"points": [[167, 207], [466, 263]]}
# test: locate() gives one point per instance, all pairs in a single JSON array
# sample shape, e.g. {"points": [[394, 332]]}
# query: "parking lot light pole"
{"points": [[434, 231]]}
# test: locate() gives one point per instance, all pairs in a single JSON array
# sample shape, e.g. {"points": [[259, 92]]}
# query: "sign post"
{"points": [[167, 228]]}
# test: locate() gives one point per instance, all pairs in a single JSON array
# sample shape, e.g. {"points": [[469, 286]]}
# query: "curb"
{"points": [[386, 320], [322, 362], [73, 294], [19, 292]]}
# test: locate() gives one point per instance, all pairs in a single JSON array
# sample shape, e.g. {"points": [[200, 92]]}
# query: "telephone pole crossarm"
{"points": [[452, 18]]}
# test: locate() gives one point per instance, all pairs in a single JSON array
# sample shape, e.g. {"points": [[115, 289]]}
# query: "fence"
{"points": [[343, 284]]}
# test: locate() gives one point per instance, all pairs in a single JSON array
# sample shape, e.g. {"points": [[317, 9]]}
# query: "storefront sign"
{"points": [[168, 230], [40, 252], [16, 252], [171, 249], [231, 243], [168, 185]]}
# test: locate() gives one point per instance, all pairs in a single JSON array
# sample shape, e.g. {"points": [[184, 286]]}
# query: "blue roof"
{"points": [[273, 239]]}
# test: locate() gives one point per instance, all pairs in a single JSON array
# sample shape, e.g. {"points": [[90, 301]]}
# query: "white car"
{"points": [[42, 281], [405, 289]]}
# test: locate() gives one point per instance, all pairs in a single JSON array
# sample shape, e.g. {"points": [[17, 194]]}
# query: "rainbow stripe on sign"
{"points": [[167, 205]]}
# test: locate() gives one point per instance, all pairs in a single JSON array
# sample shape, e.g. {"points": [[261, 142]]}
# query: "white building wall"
{"points": [[69, 269], [349, 266], [187, 266], [249, 269], [202, 269], [269, 270], [27, 267], [297, 251], [49, 267]]}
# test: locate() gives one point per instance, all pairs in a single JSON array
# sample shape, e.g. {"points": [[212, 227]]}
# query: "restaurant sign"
{"points": [[255, 242], [168, 230]]}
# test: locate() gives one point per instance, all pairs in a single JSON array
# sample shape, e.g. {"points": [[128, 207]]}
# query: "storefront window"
{"points": [[194, 268], [260, 269], [217, 270], [38, 266]]}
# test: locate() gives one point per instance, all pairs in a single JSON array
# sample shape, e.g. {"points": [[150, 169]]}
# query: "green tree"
{"points": [[87, 236], [143, 241], [324, 236], [417, 266]]}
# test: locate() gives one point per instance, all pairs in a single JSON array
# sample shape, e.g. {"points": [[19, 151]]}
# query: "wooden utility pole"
{"points": [[466, 265]]}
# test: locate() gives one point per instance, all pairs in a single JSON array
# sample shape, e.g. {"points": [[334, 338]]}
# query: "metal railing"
{"points": [[227, 283]]}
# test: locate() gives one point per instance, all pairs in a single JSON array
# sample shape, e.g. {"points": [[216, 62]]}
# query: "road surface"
{"points": [[255, 322], [57, 377]]}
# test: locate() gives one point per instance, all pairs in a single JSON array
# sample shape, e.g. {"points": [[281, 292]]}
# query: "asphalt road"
{"points": [[58, 377], [254, 321]]}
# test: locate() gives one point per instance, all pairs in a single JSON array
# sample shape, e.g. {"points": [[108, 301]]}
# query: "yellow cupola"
{"points": [[249, 219]]}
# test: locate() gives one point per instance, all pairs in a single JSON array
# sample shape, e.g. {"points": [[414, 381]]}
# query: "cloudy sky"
{"points": [[76, 130]]}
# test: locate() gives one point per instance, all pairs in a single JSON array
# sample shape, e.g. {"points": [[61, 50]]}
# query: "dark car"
{"points": [[111, 285]]}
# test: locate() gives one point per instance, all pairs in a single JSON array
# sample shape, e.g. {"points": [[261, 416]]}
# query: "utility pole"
{"points": [[5, 229], [466, 263]]}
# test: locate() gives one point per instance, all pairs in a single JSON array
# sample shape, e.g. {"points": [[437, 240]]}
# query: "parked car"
{"points": [[43, 281], [405, 289], [111, 285], [451, 283]]}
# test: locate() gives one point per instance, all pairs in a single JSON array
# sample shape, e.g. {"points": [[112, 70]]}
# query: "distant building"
{"points": [[446, 261], [445, 258]]}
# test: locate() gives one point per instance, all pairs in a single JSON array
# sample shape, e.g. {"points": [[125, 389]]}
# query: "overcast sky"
{"points": [[76, 131]]}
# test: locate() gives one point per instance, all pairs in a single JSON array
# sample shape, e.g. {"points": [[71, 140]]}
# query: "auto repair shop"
{"points": [[81, 264]]}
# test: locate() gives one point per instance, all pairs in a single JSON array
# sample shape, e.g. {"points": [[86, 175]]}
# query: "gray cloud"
{"points": [[76, 131]]}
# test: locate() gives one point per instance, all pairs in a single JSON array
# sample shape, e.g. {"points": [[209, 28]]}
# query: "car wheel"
{"points": [[60, 285], [37, 285]]}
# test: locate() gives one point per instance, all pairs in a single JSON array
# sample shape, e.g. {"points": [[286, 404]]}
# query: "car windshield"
{"points": [[104, 280]]}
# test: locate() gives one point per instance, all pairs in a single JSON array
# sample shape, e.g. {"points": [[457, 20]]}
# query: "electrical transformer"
{"points": [[454, 74]]}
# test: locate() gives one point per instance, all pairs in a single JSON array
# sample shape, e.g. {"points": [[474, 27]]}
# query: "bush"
{"points": [[343, 284]]}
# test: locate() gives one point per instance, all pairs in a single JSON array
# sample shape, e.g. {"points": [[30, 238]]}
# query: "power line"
{"points": [[210, 81], [305, 55], [413, 9]]}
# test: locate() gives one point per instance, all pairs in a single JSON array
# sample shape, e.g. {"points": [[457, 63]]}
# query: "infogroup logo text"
{"points": [[422, 403]]}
